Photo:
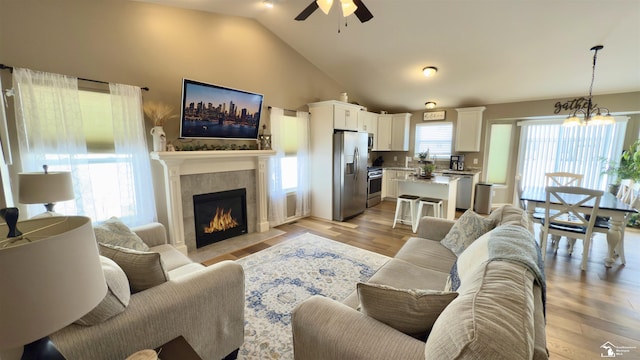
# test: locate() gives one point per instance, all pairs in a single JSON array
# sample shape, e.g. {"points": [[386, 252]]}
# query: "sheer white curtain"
{"points": [[50, 130], [547, 146], [51, 124], [303, 202], [276, 193], [130, 141]]}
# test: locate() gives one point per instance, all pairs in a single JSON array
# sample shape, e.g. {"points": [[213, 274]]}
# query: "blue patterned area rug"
{"points": [[280, 277]]}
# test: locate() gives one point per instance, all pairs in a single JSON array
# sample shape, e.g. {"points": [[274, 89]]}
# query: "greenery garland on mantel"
{"points": [[213, 147]]}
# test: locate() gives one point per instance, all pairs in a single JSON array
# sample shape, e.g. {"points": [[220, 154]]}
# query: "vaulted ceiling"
{"points": [[487, 52]]}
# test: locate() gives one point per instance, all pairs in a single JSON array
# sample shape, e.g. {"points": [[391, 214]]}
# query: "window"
{"points": [[289, 163], [435, 138], [548, 147], [499, 150], [105, 175], [98, 136]]}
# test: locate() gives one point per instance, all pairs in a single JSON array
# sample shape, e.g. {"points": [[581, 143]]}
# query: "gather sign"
{"points": [[571, 105]]}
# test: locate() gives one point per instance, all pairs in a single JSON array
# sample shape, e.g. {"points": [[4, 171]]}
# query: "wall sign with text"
{"points": [[434, 115]]}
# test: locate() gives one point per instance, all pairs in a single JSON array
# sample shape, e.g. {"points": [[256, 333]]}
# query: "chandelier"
{"points": [[592, 115]]}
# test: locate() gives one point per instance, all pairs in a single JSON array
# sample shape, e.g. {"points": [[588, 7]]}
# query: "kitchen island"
{"points": [[438, 187]]}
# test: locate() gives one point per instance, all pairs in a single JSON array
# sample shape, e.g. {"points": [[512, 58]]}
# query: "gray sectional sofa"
{"points": [[203, 304], [496, 312]]}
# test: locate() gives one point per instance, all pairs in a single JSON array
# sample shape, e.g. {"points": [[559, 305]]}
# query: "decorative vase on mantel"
{"points": [[159, 139]]}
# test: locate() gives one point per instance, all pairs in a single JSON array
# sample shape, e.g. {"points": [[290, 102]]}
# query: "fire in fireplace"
{"points": [[219, 216]]}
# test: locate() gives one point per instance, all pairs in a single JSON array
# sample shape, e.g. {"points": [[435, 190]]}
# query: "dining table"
{"points": [[610, 207]]}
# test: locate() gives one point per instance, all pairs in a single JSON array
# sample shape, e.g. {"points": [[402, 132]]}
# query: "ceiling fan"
{"points": [[348, 7]]}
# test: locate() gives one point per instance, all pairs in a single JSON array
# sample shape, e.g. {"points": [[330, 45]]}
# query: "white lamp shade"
{"points": [[50, 282], [348, 7], [42, 188], [325, 5]]}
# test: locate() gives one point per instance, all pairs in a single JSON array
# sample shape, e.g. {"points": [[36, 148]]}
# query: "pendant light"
{"points": [[592, 115]]}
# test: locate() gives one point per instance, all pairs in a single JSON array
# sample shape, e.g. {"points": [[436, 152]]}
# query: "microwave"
{"points": [[370, 142]]}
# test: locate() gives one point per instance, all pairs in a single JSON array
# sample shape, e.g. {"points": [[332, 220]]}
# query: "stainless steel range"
{"points": [[374, 186]]}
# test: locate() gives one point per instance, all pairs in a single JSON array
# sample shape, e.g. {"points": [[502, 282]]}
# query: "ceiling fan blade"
{"points": [[307, 11], [362, 12]]}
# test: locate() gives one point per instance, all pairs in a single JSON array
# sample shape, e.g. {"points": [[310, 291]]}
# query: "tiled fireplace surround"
{"points": [[187, 173]]}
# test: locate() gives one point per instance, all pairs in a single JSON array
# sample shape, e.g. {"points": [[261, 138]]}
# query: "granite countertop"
{"points": [[462, 172], [437, 180], [399, 168]]}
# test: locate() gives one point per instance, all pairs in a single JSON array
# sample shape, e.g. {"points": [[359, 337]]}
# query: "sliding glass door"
{"points": [[547, 146]]}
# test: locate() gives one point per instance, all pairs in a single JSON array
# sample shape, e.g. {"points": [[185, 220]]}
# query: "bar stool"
{"points": [[403, 200], [436, 204]]}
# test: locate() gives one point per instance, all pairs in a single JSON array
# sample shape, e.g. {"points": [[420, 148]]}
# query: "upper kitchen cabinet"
{"points": [[345, 116], [368, 122], [400, 132], [393, 132], [469, 129]]}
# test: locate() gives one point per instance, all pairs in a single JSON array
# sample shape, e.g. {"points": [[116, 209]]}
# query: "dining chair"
{"points": [[559, 178], [626, 194], [563, 179], [567, 218], [625, 191]]}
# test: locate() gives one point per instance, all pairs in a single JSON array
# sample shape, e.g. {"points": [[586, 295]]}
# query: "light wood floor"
{"points": [[584, 309]]}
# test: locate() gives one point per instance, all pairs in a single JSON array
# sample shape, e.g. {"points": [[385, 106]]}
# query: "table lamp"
{"points": [[45, 188], [50, 276]]}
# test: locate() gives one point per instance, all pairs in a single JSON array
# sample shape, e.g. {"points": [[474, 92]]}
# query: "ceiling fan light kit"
{"points": [[348, 7], [592, 115], [325, 5]]}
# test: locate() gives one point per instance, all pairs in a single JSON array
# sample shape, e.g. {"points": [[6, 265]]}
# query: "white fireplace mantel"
{"points": [[177, 163]]}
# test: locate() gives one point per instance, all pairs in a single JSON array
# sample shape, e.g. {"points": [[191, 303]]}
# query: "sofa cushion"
{"points": [[116, 299], [185, 270], [403, 275], [171, 257], [144, 269], [429, 254], [412, 312], [468, 228], [511, 215], [115, 232], [492, 318]]}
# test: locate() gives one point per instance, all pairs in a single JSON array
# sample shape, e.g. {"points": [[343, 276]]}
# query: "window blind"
{"points": [[434, 137], [551, 147]]}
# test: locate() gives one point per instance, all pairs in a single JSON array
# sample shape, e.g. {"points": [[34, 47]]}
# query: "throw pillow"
{"points": [[115, 232], [412, 312], [468, 228], [469, 260], [117, 297], [144, 269]]}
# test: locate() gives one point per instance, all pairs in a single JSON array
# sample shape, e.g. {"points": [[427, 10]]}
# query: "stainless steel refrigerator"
{"points": [[349, 174]]}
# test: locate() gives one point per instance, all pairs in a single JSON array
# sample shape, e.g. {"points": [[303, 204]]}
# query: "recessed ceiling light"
{"points": [[268, 4], [430, 105], [429, 71]]}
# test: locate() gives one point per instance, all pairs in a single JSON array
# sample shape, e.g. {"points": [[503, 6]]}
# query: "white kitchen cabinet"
{"points": [[345, 116], [368, 122], [383, 139], [387, 189], [469, 129], [400, 132], [393, 132], [390, 179]]}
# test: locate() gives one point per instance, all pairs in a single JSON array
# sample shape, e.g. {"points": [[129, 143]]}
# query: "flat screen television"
{"points": [[216, 112]]}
